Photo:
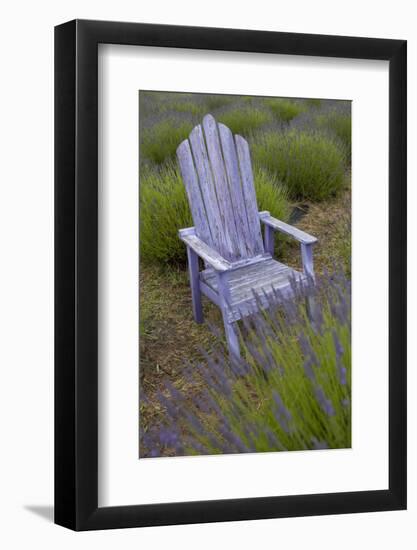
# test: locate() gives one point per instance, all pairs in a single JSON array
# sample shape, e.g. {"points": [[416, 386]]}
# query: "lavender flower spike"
{"points": [[325, 403], [283, 415], [337, 345]]}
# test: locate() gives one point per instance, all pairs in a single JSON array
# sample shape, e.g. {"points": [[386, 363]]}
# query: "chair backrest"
{"points": [[217, 173]]}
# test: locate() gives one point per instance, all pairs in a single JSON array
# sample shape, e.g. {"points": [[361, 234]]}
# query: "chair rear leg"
{"points": [[194, 274]]}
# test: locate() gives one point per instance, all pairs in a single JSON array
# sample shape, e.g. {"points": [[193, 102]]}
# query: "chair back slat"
{"points": [[249, 194], [248, 235], [195, 198], [217, 174]]}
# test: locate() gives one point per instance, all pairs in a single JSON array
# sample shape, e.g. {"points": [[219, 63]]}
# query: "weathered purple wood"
{"points": [[210, 293], [229, 327], [195, 199], [193, 270], [250, 261], [306, 240], [263, 278], [311, 307], [243, 276], [269, 239], [278, 225], [204, 251], [220, 238], [249, 195], [307, 259], [238, 212], [218, 169]]}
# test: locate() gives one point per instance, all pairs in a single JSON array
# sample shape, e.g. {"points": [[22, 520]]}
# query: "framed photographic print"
{"points": [[230, 275]]}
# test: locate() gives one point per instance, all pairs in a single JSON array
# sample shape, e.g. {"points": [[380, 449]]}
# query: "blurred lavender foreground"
{"points": [[290, 391]]}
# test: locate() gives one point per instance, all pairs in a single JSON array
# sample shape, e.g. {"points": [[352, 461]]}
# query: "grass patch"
{"points": [[309, 164], [169, 335], [284, 109], [164, 210], [244, 121], [159, 143]]}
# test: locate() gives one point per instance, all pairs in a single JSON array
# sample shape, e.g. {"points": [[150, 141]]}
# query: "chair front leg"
{"points": [[308, 269], [269, 239], [307, 259], [194, 274], [230, 328]]}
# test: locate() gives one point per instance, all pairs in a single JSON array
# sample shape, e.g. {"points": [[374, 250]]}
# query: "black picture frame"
{"points": [[76, 272]]}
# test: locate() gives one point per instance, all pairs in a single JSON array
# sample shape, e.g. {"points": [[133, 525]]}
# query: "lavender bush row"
{"points": [[291, 390]]}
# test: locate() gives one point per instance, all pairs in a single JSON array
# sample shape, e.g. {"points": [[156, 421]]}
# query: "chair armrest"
{"points": [[278, 225], [205, 252]]}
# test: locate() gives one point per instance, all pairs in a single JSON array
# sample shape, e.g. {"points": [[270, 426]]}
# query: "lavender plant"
{"points": [[341, 124], [309, 163], [284, 109], [290, 391], [243, 121], [160, 141], [164, 209]]}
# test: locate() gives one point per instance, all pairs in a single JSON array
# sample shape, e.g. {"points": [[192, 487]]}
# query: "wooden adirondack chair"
{"points": [[240, 272]]}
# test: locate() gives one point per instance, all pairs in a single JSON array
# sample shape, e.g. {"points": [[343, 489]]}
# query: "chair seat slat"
{"points": [[255, 282]]}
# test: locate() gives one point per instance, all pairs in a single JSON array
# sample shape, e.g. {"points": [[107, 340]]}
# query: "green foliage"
{"points": [[191, 107], [285, 109], [159, 143], [341, 125], [244, 121], [217, 101], [271, 194], [164, 210], [313, 102], [309, 164]]}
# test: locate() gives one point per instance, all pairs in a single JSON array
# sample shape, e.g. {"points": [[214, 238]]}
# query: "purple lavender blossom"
{"points": [[337, 345], [282, 414], [308, 368], [317, 445], [307, 350], [273, 441], [168, 437], [325, 403], [233, 439], [217, 419], [170, 407], [339, 353]]}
